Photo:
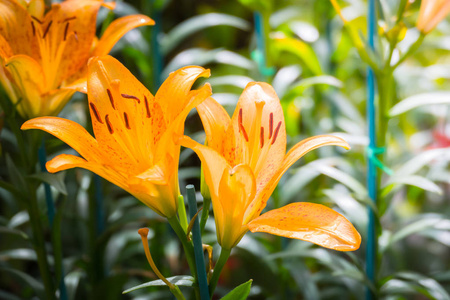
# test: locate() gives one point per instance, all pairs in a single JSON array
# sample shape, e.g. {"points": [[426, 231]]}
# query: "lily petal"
{"points": [[296, 152], [122, 111], [17, 29], [69, 132], [215, 120], [237, 188], [259, 127], [66, 161], [174, 93], [310, 222], [117, 29], [213, 163], [29, 78]]}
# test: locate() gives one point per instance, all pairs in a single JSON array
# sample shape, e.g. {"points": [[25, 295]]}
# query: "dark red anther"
{"points": [[270, 125], [276, 132], [69, 19], [36, 19], [65, 31], [95, 112], [108, 124], [34, 28], [146, 107], [261, 137], [111, 99], [47, 29], [131, 97], [127, 123]]}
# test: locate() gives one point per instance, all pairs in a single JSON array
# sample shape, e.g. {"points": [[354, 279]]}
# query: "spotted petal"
{"points": [[310, 222], [117, 29]]}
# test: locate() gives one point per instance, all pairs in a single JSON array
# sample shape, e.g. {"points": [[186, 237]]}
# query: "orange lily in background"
{"points": [[431, 13], [43, 56], [244, 161], [134, 146]]}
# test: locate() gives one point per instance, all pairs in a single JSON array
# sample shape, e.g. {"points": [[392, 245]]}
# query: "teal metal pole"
{"points": [[371, 250], [198, 246]]}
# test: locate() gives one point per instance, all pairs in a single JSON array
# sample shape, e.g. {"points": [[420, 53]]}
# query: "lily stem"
{"points": [[187, 246], [224, 255]]}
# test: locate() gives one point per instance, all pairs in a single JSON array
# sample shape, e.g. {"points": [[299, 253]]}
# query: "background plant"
{"points": [[320, 79]]}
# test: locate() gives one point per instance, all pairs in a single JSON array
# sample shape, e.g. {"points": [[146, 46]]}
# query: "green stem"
{"points": [[224, 255], [39, 243], [187, 246], [182, 212], [410, 51], [177, 293]]}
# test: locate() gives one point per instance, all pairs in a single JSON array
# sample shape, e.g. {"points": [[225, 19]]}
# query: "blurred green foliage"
{"points": [[320, 80]]}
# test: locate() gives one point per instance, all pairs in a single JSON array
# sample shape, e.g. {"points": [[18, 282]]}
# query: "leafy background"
{"points": [[320, 80]]}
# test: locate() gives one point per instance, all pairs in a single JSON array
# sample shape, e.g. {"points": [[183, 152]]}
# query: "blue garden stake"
{"points": [[371, 168], [51, 212], [99, 211], [260, 54], [198, 247]]}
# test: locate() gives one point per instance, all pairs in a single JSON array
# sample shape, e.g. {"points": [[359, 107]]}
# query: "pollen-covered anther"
{"points": [[127, 122], [108, 124], [47, 29], [95, 111], [270, 125], [146, 107], [65, 31], [131, 97], [111, 99], [241, 126], [276, 133], [143, 232], [261, 137], [36, 19], [34, 28]]}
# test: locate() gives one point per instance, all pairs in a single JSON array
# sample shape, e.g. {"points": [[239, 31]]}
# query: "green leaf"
{"points": [[240, 292], [179, 280], [419, 100], [9, 230], [27, 279], [414, 180], [344, 178], [55, 180], [199, 23], [413, 283], [57, 242], [300, 49], [424, 223], [15, 175]]}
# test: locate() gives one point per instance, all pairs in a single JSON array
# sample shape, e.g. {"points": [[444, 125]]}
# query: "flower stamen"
{"points": [[143, 232], [95, 111], [241, 126], [131, 97], [261, 137], [65, 31], [270, 125], [111, 99], [146, 107], [47, 29], [276, 133], [108, 124], [127, 123], [34, 28]]}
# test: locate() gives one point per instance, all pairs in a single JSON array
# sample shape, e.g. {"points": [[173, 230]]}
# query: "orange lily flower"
{"points": [[431, 13], [43, 56], [134, 146], [243, 162]]}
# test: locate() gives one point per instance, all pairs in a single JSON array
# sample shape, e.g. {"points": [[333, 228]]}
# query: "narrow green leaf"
{"points": [[55, 180], [240, 292], [180, 280], [199, 23], [419, 100]]}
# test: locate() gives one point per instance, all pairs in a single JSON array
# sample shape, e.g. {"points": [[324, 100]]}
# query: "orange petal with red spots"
{"points": [[310, 222]]}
